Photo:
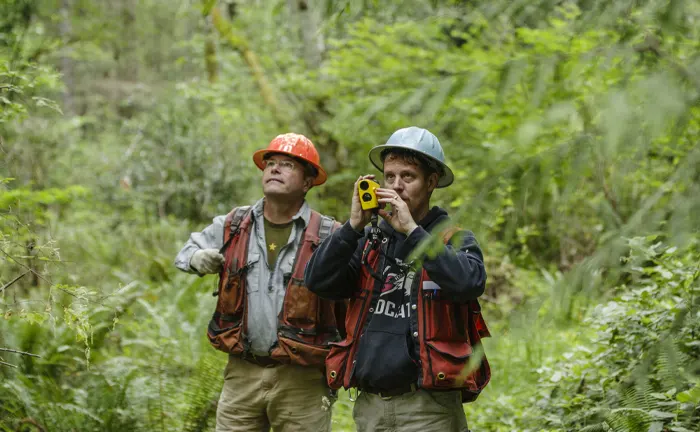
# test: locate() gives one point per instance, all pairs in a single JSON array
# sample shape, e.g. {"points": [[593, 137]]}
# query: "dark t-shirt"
{"points": [[276, 236]]}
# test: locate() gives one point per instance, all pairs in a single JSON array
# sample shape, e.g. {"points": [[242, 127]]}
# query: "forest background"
{"points": [[572, 128]]}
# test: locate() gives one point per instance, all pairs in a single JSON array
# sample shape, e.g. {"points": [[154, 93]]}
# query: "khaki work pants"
{"points": [[419, 411], [288, 398]]}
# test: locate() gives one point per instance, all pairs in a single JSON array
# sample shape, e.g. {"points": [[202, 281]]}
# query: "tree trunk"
{"points": [[307, 20], [66, 30], [128, 61], [210, 60], [330, 149], [239, 43], [306, 16]]}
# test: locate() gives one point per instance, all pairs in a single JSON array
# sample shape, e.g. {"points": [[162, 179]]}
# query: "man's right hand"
{"points": [[207, 261], [358, 217]]}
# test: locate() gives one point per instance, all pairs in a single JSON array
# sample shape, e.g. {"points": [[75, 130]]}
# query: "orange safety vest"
{"points": [[447, 334], [306, 323]]}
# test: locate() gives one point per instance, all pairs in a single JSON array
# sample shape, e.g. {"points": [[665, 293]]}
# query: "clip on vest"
{"points": [[375, 241]]}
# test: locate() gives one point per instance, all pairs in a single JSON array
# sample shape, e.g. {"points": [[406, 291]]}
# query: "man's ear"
{"points": [[308, 184], [433, 181]]}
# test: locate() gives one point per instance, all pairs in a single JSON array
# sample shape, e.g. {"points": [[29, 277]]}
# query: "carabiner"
{"points": [[357, 394]]}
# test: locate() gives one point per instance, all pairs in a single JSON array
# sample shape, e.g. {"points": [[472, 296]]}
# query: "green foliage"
{"points": [[571, 128], [644, 354], [22, 80], [28, 253], [191, 169], [519, 124], [23, 218]]}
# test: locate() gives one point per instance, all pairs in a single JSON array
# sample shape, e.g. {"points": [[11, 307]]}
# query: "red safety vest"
{"points": [[447, 335], [306, 323]]}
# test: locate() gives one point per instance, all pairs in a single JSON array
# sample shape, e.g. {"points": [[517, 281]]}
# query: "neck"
{"points": [[280, 212]]}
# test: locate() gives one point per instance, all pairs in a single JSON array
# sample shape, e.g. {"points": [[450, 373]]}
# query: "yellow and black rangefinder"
{"points": [[368, 194]]}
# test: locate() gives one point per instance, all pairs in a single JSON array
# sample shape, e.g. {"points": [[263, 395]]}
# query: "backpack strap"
{"points": [[326, 227], [233, 223], [320, 227], [317, 230]]}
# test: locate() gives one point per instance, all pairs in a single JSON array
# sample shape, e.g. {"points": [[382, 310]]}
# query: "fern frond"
{"points": [[629, 420], [202, 393], [600, 427]]}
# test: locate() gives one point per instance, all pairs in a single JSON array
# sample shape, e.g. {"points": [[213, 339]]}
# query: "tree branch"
{"points": [[652, 44], [7, 285], [7, 364], [19, 352], [32, 422], [37, 274]]}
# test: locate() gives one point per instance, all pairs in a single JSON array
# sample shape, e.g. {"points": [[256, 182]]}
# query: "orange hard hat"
{"points": [[297, 146]]}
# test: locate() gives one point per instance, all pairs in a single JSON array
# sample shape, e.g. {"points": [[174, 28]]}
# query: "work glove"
{"points": [[207, 261]]}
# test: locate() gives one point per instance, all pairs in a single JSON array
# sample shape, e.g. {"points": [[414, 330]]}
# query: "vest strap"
{"points": [[325, 228], [233, 223]]}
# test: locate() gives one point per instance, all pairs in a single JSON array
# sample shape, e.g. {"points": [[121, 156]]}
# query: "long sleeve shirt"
{"points": [[265, 285], [334, 270]]}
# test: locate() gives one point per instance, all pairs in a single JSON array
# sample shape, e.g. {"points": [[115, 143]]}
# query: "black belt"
{"points": [[262, 361], [388, 394]]}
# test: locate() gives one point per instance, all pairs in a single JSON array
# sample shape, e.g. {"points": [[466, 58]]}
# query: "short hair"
{"points": [[309, 170], [414, 158]]}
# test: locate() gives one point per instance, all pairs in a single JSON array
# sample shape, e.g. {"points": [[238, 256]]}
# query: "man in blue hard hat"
{"points": [[413, 319]]}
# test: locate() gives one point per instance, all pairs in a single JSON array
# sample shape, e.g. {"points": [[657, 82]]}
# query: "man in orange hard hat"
{"points": [[274, 329]]}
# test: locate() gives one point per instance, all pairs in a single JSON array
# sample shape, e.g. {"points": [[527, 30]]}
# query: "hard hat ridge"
{"points": [[297, 146]]}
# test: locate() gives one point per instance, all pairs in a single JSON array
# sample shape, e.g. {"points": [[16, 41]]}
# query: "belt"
{"points": [[388, 394], [262, 361]]}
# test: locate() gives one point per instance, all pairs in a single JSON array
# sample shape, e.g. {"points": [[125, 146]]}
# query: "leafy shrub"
{"points": [[640, 368]]}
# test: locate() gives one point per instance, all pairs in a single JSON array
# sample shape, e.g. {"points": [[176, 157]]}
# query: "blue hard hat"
{"points": [[420, 141]]}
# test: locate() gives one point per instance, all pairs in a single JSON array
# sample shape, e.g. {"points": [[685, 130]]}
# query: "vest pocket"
{"points": [[446, 321], [298, 352], [230, 298], [447, 365], [337, 362], [301, 305], [224, 333]]}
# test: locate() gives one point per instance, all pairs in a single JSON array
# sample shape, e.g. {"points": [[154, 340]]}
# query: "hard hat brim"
{"points": [[258, 159], [375, 156]]}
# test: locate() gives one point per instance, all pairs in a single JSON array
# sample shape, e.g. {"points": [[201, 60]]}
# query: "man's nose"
{"points": [[394, 185]]}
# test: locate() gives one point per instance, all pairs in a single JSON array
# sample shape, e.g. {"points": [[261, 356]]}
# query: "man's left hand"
{"points": [[400, 216]]}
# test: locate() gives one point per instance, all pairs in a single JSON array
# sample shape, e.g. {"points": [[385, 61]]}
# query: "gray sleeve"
{"points": [[212, 237]]}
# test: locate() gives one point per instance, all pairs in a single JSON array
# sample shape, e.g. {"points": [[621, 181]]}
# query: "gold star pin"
{"points": [[272, 246]]}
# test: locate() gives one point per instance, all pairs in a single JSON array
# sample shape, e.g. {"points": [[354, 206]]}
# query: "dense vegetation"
{"points": [[572, 128]]}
